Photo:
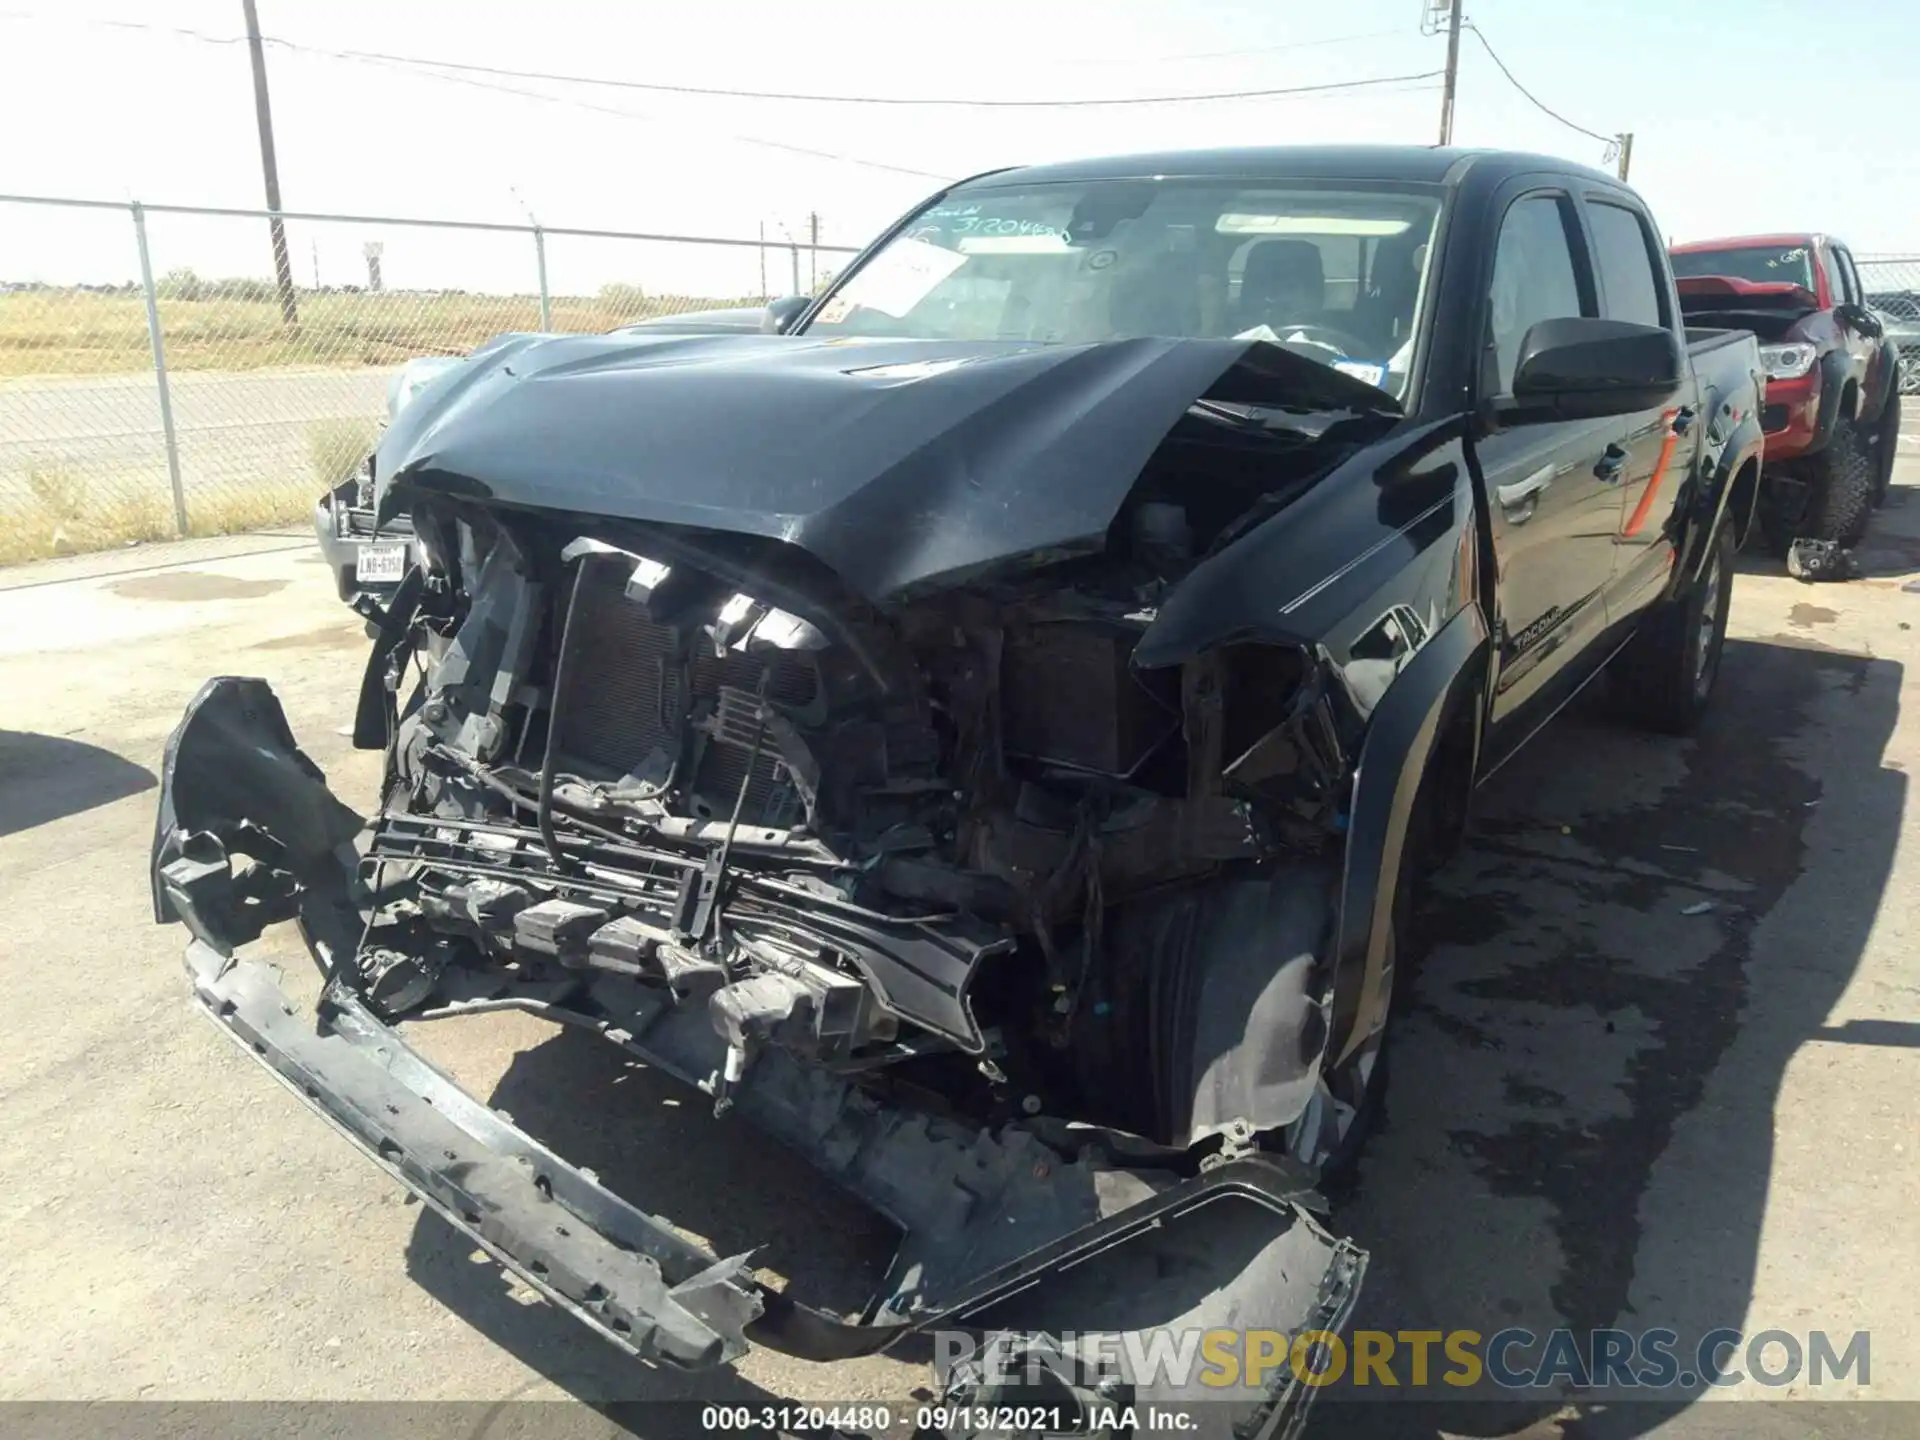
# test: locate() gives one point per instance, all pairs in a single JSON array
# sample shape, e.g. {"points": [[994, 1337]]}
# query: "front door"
{"points": [[1553, 486]]}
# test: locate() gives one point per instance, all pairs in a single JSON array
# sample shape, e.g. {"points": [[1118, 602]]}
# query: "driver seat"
{"points": [[1281, 271]]}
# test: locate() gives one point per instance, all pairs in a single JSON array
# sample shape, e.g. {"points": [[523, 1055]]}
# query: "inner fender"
{"points": [[1208, 1017]]}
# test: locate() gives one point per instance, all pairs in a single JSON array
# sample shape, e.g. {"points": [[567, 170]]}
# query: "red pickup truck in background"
{"points": [[1832, 411]]}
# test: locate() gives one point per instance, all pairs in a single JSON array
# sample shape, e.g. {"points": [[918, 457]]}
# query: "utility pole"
{"points": [[813, 251], [1453, 70], [1624, 142], [276, 229], [763, 261]]}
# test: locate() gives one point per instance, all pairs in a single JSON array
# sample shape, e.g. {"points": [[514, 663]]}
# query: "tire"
{"points": [[1845, 482], [1886, 446], [1778, 524], [1664, 678]]}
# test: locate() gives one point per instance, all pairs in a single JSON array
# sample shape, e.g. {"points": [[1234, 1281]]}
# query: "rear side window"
{"points": [[1623, 255], [1534, 279], [1836, 283], [1850, 277]]}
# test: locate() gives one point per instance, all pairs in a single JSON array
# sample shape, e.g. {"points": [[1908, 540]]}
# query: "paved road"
{"points": [[1603, 1109], [235, 430]]}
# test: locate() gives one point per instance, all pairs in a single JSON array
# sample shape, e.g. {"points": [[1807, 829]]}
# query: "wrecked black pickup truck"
{"points": [[985, 736]]}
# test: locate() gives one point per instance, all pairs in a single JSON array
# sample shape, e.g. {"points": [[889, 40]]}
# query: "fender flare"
{"points": [[1449, 671], [1834, 375], [1890, 385], [1746, 443]]}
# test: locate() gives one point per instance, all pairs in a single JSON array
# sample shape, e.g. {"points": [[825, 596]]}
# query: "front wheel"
{"points": [[1664, 677], [1845, 487]]}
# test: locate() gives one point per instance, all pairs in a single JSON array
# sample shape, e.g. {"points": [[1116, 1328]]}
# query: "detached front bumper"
{"points": [[635, 1281], [993, 1224]]}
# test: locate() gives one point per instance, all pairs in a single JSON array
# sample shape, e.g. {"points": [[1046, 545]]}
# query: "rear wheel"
{"points": [[1664, 677]]}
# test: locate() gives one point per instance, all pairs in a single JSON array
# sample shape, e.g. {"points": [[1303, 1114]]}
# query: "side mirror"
{"points": [[783, 312], [1579, 368], [1861, 319]]}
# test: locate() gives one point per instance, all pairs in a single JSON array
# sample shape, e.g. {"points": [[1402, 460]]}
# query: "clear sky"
{"points": [[1768, 114]]}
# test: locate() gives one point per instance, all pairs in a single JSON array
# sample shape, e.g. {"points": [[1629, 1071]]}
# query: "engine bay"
{"points": [[894, 843]]}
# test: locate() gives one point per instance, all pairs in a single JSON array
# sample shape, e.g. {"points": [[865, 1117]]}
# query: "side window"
{"points": [[1533, 280], [1627, 277], [1848, 273], [1836, 282]]}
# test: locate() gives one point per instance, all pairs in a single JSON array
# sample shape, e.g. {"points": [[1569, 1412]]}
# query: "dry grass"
{"points": [[237, 326], [336, 448], [83, 332], [66, 516]]}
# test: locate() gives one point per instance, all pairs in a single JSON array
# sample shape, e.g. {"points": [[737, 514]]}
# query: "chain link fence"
{"points": [[164, 371], [1892, 283]]}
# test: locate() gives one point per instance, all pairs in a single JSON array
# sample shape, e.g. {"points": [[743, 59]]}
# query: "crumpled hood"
{"points": [[899, 463]]}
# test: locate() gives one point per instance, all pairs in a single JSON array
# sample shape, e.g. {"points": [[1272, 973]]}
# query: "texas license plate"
{"points": [[380, 564]]}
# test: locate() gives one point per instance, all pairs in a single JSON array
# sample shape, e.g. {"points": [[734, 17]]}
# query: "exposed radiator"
{"points": [[637, 687]]}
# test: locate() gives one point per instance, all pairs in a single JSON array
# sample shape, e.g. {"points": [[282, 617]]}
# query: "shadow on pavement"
{"points": [[47, 777], [1570, 1014], [1533, 1172], [654, 1141]]}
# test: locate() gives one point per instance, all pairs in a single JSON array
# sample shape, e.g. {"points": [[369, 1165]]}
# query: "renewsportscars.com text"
{"points": [[1512, 1359]]}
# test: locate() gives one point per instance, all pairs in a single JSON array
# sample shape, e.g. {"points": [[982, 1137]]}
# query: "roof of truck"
{"points": [[1753, 242], [1430, 164]]}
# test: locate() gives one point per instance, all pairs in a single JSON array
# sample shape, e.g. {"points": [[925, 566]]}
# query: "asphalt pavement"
{"points": [[1657, 1066], [235, 428]]}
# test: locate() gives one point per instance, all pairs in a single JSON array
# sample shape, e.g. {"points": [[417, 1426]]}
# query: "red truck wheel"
{"points": [[1845, 483]]}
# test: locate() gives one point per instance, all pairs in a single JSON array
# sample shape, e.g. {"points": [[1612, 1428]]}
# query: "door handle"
{"points": [[1524, 492], [1683, 420], [1609, 465]]}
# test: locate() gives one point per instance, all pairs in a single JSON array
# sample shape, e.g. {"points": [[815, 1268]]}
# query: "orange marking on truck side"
{"points": [[1639, 516]]}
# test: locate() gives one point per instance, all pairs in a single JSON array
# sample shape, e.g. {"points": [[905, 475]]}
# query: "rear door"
{"points": [[1552, 485], [1658, 446]]}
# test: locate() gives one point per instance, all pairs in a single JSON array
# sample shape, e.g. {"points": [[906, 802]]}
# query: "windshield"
{"points": [[1765, 265], [1334, 272]]}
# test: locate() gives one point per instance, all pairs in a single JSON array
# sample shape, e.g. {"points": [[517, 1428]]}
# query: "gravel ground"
{"points": [[1604, 1110]]}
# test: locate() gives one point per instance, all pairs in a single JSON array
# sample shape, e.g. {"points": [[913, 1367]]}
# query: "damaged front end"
{"points": [[1014, 914]]}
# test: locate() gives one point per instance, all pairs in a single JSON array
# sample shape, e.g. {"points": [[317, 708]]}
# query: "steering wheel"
{"points": [[1322, 337]]}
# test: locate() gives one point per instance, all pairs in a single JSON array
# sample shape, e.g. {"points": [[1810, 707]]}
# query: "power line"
{"points": [[649, 119], [663, 88], [1258, 49], [971, 102], [1538, 104], [107, 24], [201, 36], [461, 73]]}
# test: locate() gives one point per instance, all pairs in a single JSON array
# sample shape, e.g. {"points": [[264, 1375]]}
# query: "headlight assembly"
{"points": [[1787, 362]]}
